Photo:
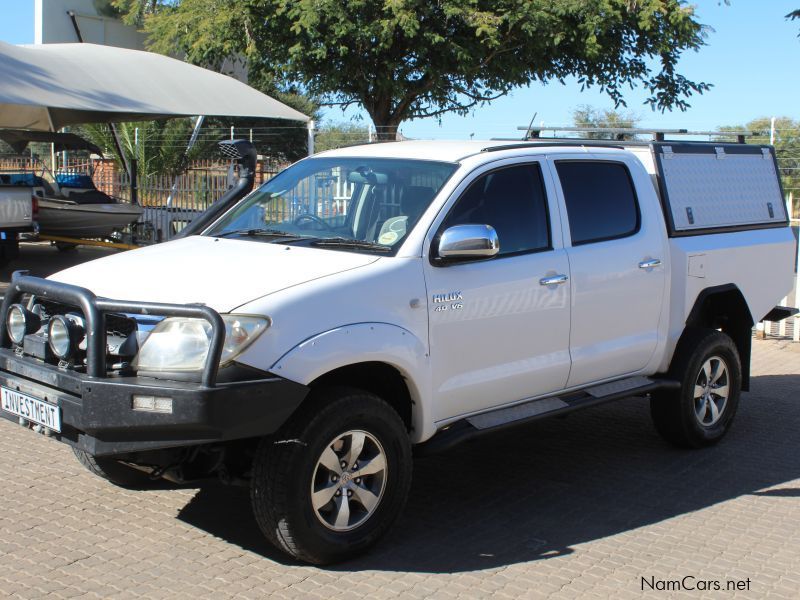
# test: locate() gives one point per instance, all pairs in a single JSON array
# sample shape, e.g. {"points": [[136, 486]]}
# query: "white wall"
{"points": [[53, 25]]}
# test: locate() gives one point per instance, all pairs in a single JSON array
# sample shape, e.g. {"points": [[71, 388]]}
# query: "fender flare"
{"points": [[365, 342], [739, 329]]}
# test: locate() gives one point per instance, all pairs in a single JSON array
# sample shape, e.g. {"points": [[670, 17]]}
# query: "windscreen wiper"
{"points": [[340, 242], [259, 232]]}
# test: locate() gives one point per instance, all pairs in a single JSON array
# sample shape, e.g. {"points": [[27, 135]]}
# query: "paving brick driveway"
{"points": [[578, 507]]}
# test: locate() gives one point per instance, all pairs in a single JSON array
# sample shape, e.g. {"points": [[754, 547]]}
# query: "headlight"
{"points": [[20, 322], [181, 344]]}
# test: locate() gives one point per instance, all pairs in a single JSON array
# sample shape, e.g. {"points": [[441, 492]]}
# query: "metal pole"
{"points": [[232, 133], [63, 153], [772, 131], [310, 127], [77, 29], [192, 140], [125, 162], [134, 181]]}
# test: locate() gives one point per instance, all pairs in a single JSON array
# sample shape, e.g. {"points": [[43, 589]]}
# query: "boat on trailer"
{"points": [[70, 205]]}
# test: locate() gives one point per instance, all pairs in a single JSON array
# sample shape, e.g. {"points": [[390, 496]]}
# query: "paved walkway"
{"points": [[582, 507]]}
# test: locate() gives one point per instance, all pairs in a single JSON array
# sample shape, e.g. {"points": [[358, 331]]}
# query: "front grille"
{"points": [[121, 343], [118, 326]]}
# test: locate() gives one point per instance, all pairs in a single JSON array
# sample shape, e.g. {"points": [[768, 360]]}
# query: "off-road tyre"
{"points": [[287, 466], [114, 471], [674, 412]]}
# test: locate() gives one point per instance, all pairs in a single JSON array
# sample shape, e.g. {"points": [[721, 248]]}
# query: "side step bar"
{"points": [[503, 418]]}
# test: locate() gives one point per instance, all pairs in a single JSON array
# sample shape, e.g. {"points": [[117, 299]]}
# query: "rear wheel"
{"points": [[114, 471], [701, 412], [335, 479]]}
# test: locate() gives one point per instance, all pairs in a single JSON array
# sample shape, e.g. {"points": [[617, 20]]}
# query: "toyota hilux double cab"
{"points": [[372, 299]]}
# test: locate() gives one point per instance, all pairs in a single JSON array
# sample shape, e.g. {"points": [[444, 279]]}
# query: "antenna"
{"points": [[528, 130]]}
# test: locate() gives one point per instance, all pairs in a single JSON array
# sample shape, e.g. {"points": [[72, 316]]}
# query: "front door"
{"points": [[499, 328]]}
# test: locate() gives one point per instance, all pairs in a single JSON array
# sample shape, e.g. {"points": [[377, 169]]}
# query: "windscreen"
{"points": [[357, 204]]}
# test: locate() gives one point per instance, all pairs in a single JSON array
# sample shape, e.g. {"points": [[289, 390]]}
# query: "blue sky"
{"points": [[751, 58]]}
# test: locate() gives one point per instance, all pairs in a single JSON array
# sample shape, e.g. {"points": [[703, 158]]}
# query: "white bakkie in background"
{"points": [[374, 298], [16, 215]]}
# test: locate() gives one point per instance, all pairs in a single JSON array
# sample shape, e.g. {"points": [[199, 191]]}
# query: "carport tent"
{"points": [[47, 87]]}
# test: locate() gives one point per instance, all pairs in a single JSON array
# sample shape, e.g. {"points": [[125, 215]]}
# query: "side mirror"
{"points": [[468, 241]]}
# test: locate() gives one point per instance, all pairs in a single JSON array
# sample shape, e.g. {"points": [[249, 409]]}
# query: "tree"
{"points": [[336, 135], [787, 147], [588, 116], [409, 59]]}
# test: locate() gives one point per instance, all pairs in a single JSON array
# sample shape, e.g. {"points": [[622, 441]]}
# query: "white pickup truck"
{"points": [[374, 298], [17, 207]]}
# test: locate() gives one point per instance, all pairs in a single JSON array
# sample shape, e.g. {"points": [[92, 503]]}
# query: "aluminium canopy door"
{"points": [[719, 187]]}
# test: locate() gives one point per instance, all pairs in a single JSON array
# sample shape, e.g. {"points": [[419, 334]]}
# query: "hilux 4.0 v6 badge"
{"points": [[450, 300]]}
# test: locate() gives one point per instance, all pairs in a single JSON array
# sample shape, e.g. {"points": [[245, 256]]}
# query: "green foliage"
{"points": [[407, 59], [133, 12], [588, 116], [162, 144], [336, 135]]}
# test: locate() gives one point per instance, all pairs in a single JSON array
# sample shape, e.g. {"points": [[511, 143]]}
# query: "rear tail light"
{"points": [[35, 204]]}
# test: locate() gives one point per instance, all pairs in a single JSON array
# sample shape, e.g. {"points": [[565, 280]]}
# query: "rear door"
{"points": [[498, 331], [617, 260]]}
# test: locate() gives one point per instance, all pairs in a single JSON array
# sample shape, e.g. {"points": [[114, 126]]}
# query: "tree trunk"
{"points": [[385, 122], [386, 131]]}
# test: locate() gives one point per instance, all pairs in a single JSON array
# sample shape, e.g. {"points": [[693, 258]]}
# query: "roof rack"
{"points": [[619, 133]]}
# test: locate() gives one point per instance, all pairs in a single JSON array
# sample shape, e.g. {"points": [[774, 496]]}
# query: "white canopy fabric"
{"points": [[46, 87]]}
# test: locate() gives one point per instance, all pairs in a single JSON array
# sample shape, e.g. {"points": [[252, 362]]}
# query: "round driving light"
{"points": [[20, 322], [60, 335]]}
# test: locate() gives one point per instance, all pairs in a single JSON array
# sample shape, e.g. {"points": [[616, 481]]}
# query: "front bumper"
{"points": [[97, 414]]}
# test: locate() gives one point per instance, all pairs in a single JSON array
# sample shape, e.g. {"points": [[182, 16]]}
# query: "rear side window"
{"points": [[513, 201], [601, 202]]}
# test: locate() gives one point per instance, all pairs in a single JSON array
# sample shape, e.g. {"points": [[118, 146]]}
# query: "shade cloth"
{"points": [[45, 87]]}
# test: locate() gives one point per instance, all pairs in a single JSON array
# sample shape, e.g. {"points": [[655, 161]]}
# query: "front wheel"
{"points": [[700, 413], [335, 479]]}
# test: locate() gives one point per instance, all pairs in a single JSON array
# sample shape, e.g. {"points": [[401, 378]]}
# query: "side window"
{"points": [[513, 201], [600, 199]]}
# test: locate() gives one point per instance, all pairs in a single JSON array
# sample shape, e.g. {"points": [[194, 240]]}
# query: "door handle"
{"points": [[553, 280], [649, 264]]}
